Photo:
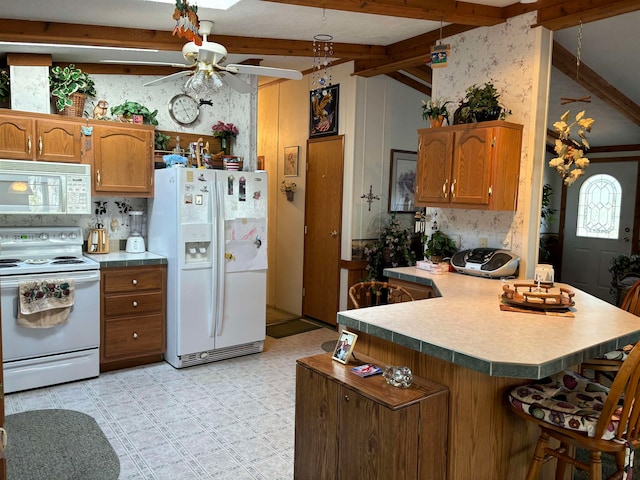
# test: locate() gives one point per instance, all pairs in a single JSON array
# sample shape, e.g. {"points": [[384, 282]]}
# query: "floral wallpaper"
{"points": [[503, 54], [228, 106]]}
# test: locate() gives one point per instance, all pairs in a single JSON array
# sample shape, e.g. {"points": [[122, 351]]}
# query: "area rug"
{"points": [[58, 444], [292, 327]]}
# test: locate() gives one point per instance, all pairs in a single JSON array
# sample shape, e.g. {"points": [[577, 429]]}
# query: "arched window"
{"points": [[599, 207]]}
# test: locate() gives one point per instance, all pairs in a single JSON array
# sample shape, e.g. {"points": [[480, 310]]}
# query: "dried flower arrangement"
{"points": [[571, 162]]}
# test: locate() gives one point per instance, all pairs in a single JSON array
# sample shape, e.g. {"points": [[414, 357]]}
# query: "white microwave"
{"points": [[44, 188]]}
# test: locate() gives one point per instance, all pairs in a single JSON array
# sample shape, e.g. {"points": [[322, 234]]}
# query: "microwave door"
{"points": [[25, 193]]}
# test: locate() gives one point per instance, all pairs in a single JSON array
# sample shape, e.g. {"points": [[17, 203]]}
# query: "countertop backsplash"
{"points": [[115, 219]]}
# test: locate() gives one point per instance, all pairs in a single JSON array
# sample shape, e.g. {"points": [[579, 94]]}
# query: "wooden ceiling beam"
{"points": [[410, 82], [421, 72], [449, 11], [559, 15], [564, 61], [412, 52], [76, 34]]}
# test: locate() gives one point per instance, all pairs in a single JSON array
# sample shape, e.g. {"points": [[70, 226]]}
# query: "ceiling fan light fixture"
{"points": [[204, 83]]}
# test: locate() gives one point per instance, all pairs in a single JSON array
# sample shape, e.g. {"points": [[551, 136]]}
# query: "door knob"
{"points": [[626, 239], [334, 233]]}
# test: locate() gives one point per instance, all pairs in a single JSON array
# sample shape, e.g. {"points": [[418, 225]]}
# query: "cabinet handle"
{"points": [[40, 145], [490, 190], [98, 175], [445, 192], [134, 303], [346, 397], [29, 144], [134, 281], [453, 189], [135, 335]]}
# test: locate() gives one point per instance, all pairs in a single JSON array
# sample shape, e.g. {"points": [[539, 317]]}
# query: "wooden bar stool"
{"points": [[370, 294]]}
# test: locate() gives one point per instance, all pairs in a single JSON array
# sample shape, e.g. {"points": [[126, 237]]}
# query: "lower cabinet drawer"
{"points": [[133, 336], [132, 304]]}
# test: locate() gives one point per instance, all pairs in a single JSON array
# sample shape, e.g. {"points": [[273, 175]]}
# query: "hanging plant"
{"points": [[571, 162]]}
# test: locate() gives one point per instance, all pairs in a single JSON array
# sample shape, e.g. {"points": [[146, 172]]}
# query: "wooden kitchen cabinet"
{"points": [[474, 166], [132, 316], [417, 291], [349, 427], [44, 138], [123, 159]]}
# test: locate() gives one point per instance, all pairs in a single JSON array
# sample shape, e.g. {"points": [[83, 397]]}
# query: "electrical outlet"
{"points": [[483, 242]]}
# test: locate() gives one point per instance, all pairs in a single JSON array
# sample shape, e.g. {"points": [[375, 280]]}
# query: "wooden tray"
{"points": [[545, 297]]}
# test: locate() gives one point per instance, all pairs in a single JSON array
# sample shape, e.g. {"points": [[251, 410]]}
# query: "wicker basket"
{"points": [[77, 108]]}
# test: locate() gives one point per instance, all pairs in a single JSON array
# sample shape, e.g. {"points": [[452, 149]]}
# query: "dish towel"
{"points": [[45, 303]]}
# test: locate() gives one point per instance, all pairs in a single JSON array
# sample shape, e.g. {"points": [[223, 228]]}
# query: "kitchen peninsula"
{"points": [[462, 340]]}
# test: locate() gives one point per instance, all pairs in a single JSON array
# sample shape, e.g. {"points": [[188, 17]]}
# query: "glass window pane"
{"points": [[599, 207]]}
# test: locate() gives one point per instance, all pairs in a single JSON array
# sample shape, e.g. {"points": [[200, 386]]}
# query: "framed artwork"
{"points": [[291, 161], [402, 181], [344, 347], [323, 112]]}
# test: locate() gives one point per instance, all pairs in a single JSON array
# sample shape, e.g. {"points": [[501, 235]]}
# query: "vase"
{"points": [[289, 195], [436, 122], [226, 144]]}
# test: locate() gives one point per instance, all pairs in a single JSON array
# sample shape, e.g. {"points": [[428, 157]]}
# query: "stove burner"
{"points": [[7, 265], [9, 260], [66, 262]]}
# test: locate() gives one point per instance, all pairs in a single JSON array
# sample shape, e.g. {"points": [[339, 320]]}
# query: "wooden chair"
{"points": [[370, 294], [579, 412], [606, 366]]}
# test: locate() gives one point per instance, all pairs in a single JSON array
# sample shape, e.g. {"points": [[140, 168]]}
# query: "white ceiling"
{"points": [[610, 47]]}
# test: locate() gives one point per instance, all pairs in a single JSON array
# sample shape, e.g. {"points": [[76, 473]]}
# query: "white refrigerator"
{"points": [[212, 227]]}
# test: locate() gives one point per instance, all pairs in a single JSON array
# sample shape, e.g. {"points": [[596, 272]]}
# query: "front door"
{"points": [[586, 260], [323, 220]]}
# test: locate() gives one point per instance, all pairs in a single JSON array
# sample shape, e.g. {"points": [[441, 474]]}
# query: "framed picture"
{"points": [[344, 346], [291, 161], [402, 181], [323, 112]]}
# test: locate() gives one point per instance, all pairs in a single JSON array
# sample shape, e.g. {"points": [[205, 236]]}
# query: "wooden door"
{"points": [[123, 160], [323, 220], [471, 166], [433, 171], [58, 141], [17, 140]]}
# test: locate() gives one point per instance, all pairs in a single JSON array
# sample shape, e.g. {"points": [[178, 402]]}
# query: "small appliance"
{"points": [[135, 241], [486, 262]]}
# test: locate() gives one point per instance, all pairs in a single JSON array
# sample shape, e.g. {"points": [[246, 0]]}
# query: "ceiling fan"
{"points": [[206, 71]]}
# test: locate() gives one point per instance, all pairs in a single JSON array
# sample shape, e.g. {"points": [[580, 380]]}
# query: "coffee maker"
{"points": [[135, 241]]}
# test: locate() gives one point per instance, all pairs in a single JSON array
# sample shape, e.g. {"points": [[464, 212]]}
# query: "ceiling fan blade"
{"points": [[168, 77], [266, 71], [237, 84], [143, 62]]}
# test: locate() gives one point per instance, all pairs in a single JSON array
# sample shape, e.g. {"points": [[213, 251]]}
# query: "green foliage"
{"points": [[128, 109], [621, 266], [391, 249], [65, 81], [4, 85], [546, 212], [161, 141], [434, 109], [481, 103], [438, 244]]}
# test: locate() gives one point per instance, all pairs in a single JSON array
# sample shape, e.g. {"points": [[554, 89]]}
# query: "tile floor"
{"points": [[232, 419]]}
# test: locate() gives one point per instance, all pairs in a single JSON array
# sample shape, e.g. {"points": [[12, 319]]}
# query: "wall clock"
{"points": [[184, 109]]}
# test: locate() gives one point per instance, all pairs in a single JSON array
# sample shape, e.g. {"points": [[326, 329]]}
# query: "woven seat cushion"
{"points": [[619, 354], [568, 400]]}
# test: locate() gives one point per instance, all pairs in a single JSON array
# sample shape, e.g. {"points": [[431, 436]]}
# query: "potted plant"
{"points": [[621, 266], [70, 86], [288, 188], [436, 112], [161, 140], [225, 132], [5, 89], [438, 246], [126, 111], [481, 104], [391, 249]]}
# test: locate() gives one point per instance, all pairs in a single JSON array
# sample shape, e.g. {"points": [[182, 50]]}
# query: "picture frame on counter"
{"points": [[344, 346], [402, 181]]}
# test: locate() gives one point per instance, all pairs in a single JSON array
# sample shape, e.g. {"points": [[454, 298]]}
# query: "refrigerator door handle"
{"points": [[220, 261], [214, 261]]}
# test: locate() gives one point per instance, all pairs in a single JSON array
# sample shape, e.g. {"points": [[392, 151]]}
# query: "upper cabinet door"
{"points": [[123, 160], [471, 171], [433, 171], [58, 141], [16, 137]]}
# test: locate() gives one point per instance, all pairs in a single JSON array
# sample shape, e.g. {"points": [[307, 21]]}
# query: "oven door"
{"points": [[81, 330]]}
